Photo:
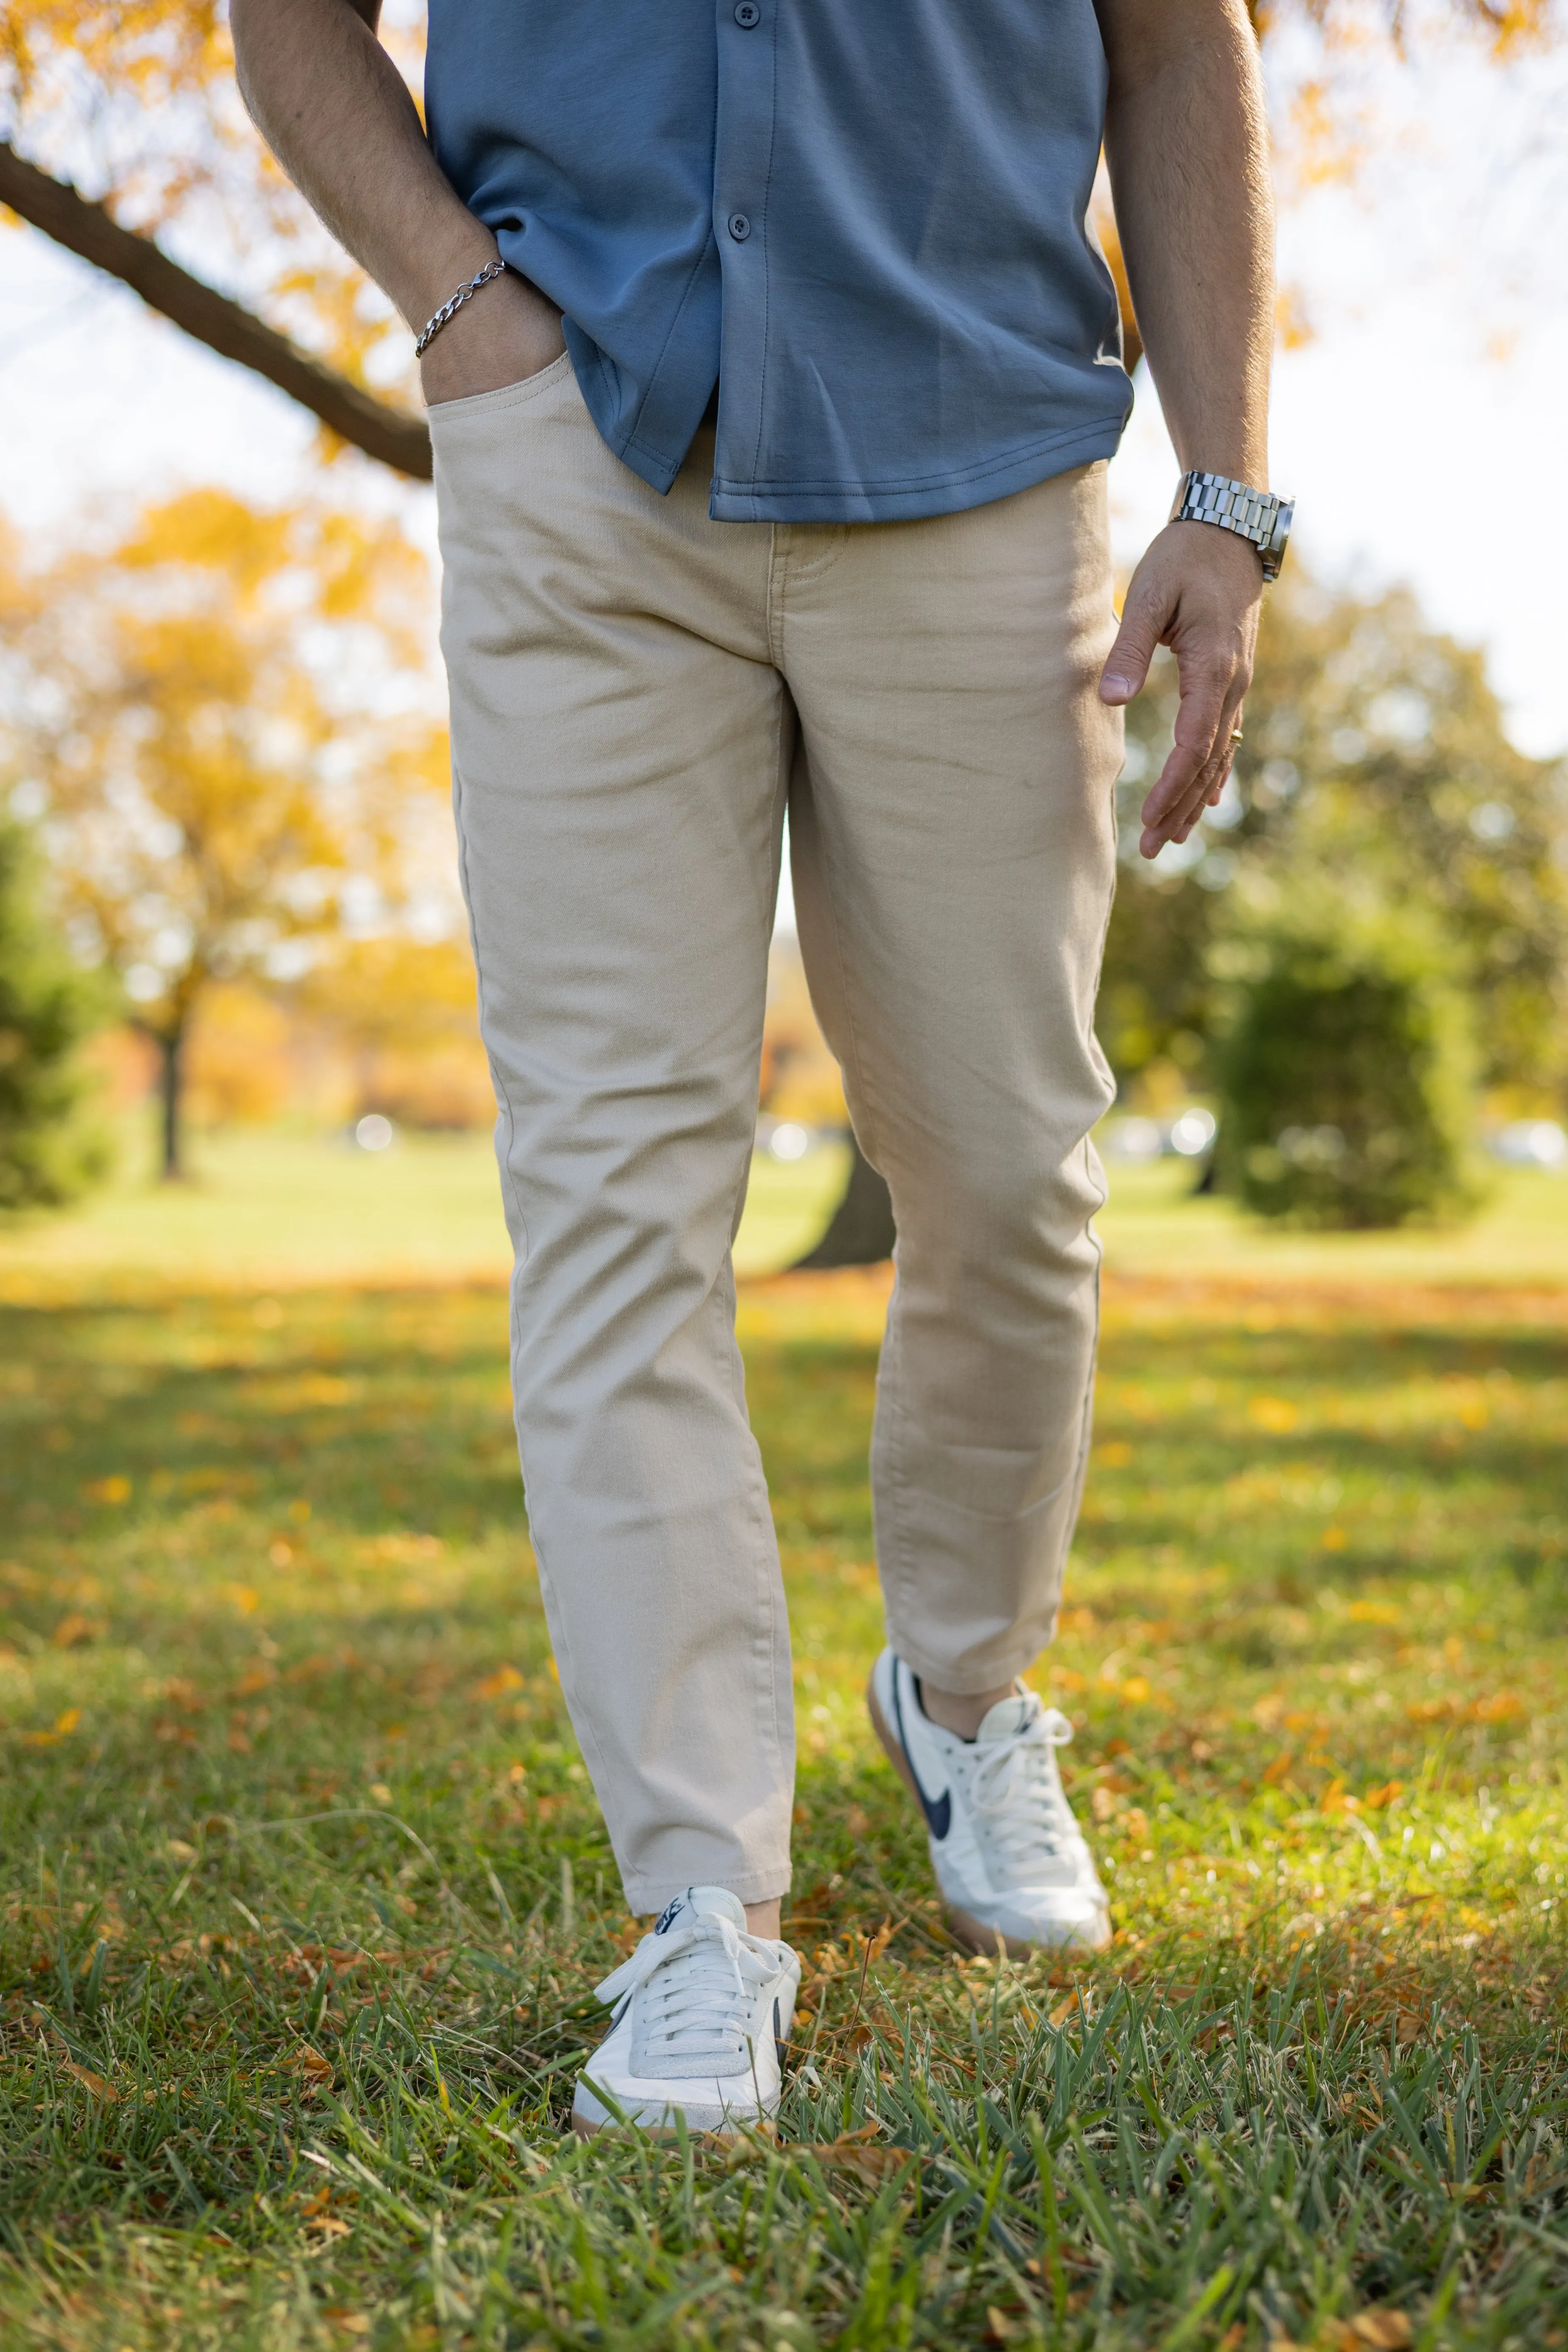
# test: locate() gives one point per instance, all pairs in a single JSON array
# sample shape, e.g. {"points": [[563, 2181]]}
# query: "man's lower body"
{"points": [[638, 694]]}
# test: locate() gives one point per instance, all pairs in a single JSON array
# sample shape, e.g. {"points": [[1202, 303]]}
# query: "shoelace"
{"points": [[1017, 1787], [700, 1975]]}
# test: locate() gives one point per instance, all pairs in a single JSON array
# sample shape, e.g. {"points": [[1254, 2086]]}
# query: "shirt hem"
{"points": [[954, 493]]}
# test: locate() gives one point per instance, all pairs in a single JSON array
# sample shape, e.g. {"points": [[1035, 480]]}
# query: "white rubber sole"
{"points": [[663, 2120]]}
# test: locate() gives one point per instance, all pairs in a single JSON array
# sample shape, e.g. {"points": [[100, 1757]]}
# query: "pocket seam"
{"points": [[504, 395]]}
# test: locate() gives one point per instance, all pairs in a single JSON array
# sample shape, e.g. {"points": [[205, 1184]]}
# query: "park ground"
{"points": [[303, 1894]]}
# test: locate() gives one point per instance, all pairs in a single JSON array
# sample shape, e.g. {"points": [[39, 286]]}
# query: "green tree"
{"points": [[1344, 1061], [50, 1151], [1375, 756]]}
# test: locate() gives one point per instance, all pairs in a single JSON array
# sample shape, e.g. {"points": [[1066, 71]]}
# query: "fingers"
{"points": [[1204, 790], [1197, 591], [1194, 770], [1145, 617], [1194, 777]]}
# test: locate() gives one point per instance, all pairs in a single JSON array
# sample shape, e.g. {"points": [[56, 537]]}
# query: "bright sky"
{"points": [[1420, 428]]}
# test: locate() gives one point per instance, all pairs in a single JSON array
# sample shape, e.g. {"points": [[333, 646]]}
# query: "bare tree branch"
{"points": [[383, 432]]}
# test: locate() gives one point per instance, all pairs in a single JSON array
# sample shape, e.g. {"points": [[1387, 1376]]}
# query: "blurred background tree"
{"points": [[122, 137], [402, 1012], [50, 1151], [1344, 1060], [212, 723], [1375, 758]]}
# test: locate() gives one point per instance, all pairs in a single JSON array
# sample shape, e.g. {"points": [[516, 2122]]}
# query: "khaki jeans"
{"points": [[637, 693]]}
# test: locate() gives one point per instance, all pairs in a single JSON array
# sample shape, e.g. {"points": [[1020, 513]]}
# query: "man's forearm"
{"points": [[1186, 143], [336, 113], [1186, 146]]}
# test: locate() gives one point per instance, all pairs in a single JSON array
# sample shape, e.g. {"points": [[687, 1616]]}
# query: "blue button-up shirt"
{"points": [[863, 219]]}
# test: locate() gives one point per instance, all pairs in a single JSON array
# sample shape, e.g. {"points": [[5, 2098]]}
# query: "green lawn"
{"points": [[302, 1892], [286, 1206], [283, 1206]]}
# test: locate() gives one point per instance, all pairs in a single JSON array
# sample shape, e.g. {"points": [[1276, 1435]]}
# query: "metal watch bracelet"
{"points": [[434, 324], [1257, 516]]}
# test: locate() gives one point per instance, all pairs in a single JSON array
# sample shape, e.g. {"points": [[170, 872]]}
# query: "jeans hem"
{"points": [[926, 1667], [652, 1895]]}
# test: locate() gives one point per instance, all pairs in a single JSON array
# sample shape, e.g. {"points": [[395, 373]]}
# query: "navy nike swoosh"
{"points": [[939, 1815]]}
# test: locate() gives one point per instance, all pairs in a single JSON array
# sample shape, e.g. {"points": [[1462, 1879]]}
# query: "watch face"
{"points": [[1278, 537]]}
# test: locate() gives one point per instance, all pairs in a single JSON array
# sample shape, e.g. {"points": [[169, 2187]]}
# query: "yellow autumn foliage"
{"points": [[137, 105], [227, 721]]}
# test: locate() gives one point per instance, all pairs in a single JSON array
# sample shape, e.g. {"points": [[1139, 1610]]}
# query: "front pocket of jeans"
{"points": [[505, 395]]}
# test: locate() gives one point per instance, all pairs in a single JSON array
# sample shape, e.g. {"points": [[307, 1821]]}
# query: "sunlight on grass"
{"points": [[303, 1892], [279, 1207], [284, 1206]]}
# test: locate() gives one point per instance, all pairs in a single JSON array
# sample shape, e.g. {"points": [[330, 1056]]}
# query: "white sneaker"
{"points": [[1009, 1858], [702, 2013]]}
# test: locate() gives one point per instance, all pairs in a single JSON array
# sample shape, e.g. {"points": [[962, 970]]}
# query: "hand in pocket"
{"points": [[506, 333]]}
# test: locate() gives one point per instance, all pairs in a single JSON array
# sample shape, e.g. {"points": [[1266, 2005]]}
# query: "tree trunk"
{"points": [[861, 1232], [171, 1096]]}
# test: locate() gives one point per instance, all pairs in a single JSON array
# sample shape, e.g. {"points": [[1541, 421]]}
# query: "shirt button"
{"points": [[748, 15], [740, 227]]}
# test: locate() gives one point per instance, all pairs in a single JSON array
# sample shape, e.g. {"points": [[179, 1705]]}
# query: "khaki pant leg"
{"points": [[620, 744], [952, 840]]}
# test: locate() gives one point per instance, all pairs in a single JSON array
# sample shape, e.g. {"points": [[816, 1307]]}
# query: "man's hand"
{"points": [[1198, 591], [506, 333]]}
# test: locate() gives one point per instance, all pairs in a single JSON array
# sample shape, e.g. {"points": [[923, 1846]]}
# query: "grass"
{"points": [[303, 1894], [286, 1205]]}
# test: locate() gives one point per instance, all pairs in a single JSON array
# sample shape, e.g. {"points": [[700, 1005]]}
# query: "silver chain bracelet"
{"points": [[464, 294]]}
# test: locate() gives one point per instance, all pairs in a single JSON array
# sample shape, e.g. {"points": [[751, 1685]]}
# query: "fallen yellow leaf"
{"points": [[1385, 2331], [62, 1726], [853, 2152], [496, 1686], [91, 2081]]}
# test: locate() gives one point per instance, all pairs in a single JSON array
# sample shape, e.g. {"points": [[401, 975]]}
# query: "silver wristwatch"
{"points": [[1255, 515]]}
